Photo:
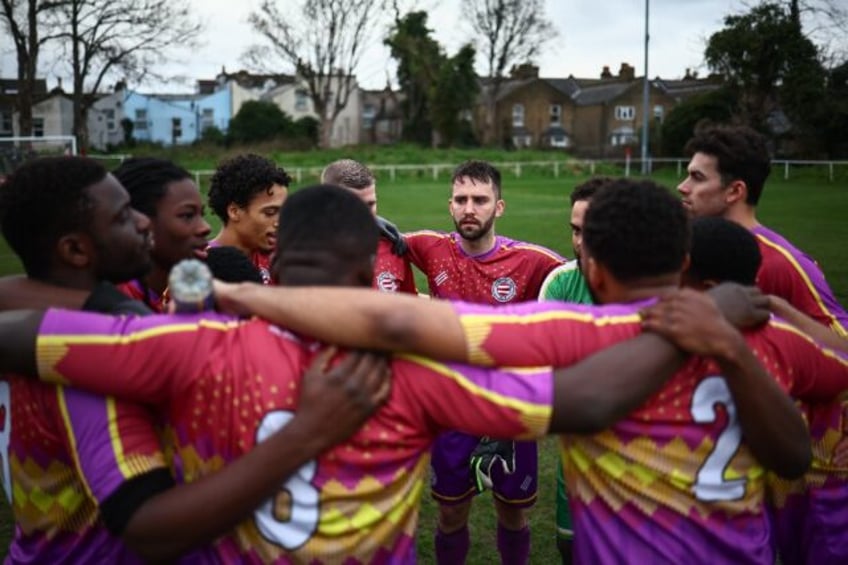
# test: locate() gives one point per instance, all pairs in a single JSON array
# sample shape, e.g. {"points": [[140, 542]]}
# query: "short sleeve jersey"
{"points": [[392, 273], [512, 271], [793, 275], [674, 479], [225, 385]]}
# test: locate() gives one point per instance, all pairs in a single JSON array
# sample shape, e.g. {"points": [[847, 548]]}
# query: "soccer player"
{"points": [[85, 475], [228, 264], [359, 500], [392, 270], [725, 177], [679, 479], [567, 283], [476, 265], [246, 192], [166, 194]]}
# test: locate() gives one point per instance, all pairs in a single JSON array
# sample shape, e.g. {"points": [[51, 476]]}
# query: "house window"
{"points": [[518, 115], [110, 119], [520, 141], [38, 127], [141, 120], [5, 123], [560, 141], [176, 128], [207, 119], [301, 100], [623, 136], [659, 112], [369, 112], [556, 114], [625, 113]]}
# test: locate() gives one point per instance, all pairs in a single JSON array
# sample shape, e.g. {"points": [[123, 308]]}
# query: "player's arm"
{"points": [[774, 429], [333, 404], [18, 291], [18, 332], [354, 317], [819, 332]]}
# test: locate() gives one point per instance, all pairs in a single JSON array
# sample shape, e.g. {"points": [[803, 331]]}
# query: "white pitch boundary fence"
{"points": [[556, 168]]}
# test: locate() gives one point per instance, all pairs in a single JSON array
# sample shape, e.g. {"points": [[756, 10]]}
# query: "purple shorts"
{"points": [[451, 473]]}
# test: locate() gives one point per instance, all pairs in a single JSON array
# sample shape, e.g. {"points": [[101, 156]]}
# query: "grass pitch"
{"points": [[811, 213]]}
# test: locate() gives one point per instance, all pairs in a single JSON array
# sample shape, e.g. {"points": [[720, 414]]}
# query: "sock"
{"points": [[452, 548], [514, 545]]}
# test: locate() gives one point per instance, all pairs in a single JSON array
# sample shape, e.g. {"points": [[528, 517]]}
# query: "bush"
{"points": [[259, 121]]}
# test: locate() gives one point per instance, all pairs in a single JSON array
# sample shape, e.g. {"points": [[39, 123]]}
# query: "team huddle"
{"points": [[691, 362]]}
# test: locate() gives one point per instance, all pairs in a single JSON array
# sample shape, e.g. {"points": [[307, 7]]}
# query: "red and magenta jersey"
{"points": [[225, 385], [138, 291], [793, 275], [673, 481], [63, 453], [512, 271], [392, 273]]}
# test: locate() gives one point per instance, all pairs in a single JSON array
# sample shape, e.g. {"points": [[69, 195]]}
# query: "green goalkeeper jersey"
{"points": [[566, 283]]}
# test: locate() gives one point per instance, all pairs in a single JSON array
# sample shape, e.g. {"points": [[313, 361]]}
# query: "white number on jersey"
{"points": [[289, 518], [5, 437], [710, 484]]}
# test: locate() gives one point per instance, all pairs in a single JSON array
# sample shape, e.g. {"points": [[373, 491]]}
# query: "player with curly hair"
{"points": [[246, 193]]}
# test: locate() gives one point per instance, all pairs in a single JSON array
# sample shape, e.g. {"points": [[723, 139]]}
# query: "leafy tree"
{"points": [[259, 121], [419, 60], [769, 64], [323, 40], [714, 107], [439, 89], [511, 32], [453, 96], [308, 128]]}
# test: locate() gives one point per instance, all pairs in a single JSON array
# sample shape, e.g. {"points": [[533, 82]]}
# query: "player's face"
{"points": [[369, 196], [120, 235], [578, 212], [179, 230], [257, 222], [474, 208], [702, 191]]}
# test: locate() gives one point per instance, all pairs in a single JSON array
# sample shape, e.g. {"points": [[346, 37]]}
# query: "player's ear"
{"points": [[736, 191], [75, 249], [500, 206], [233, 212]]}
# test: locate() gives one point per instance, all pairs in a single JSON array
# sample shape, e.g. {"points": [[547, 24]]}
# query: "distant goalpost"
{"points": [[14, 151]]}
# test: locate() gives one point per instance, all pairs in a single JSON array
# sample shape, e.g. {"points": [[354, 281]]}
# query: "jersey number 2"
{"points": [[289, 518], [710, 484]]}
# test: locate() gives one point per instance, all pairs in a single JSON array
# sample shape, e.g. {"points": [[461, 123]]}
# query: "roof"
{"points": [[603, 92]]}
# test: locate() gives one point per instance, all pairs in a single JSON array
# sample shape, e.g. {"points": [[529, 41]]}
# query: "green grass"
{"points": [[809, 211]]}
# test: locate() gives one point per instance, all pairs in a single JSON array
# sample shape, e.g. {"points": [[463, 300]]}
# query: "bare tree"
{"points": [[117, 37], [323, 41], [512, 32], [23, 19]]}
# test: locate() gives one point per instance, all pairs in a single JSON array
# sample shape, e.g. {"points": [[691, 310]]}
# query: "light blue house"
{"points": [[177, 119]]}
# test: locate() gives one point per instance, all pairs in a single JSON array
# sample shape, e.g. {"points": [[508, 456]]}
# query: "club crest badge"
{"points": [[503, 289], [387, 282]]}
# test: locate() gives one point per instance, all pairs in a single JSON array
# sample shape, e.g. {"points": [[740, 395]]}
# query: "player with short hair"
{"points": [[246, 193], [357, 501], [229, 264], [658, 486], [725, 177], [476, 265], [567, 283], [85, 475], [165, 193], [392, 270]]}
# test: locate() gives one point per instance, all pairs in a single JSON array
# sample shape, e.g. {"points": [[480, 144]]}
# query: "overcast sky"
{"points": [[592, 33]]}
